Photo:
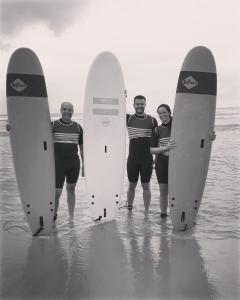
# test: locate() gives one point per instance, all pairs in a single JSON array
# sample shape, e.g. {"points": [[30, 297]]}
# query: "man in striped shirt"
{"points": [[140, 160], [67, 135]]}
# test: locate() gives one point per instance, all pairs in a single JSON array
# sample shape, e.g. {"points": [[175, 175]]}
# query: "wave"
{"points": [[4, 133], [225, 127]]}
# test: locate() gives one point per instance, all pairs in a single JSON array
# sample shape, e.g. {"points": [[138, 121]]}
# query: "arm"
{"points": [[161, 149], [155, 123], [80, 143], [81, 154], [155, 149], [127, 119]]}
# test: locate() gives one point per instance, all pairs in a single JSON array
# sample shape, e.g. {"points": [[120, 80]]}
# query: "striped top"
{"points": [[70, 138], [161, 136], [135, 133], [140, 133], [66, 138]]}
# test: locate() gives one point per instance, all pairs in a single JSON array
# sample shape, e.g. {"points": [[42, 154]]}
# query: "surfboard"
{"points": [[104, 135], [31, 139], [193, 120]]}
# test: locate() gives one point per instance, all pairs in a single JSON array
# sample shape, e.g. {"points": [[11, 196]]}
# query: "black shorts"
{"points": [[64, 169], [161, 168], [143, 168]]}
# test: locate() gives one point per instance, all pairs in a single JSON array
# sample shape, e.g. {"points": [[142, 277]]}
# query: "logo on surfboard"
{"points": [[190, 82], [105, 122], [18, 85]]}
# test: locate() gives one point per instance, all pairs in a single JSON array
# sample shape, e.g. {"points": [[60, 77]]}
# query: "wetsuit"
{"points": [[140, 159], [66, 139], [161, 137]]}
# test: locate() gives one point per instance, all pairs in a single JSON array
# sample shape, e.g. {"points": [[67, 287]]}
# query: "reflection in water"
{"points": [[163, 268], [105, 272], [102, 262], [45, 275], [175, 270], [141, 258], [136, 257], [76, 249], [188, 274], [81, 264]]}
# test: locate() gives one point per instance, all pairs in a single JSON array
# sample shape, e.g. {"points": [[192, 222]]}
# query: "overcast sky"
{"points": [[149, 37]]}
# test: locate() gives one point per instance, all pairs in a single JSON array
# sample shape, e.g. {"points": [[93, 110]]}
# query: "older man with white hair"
{"points": [[67, 136]]}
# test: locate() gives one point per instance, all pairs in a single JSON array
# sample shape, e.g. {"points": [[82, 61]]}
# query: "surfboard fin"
{"points": [[41, 226], [45, 146], [183, 216]]}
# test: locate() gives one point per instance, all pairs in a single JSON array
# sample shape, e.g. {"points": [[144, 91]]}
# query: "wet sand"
{"points": [[107, 261], [137, 256]]}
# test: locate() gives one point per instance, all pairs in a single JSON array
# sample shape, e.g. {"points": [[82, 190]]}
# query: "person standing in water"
{"points": [[67, 136], [161, 144], [140, 160]]}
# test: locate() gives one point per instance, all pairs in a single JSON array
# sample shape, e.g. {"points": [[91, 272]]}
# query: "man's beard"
{"points": [[140, 110]]}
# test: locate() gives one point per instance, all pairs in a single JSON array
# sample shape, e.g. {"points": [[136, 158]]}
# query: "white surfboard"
{"points": [[104, 136], [193, 120], [31, 139]]}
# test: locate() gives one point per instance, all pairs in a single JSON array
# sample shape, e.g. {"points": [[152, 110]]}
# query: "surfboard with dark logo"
{"points": [[31, 139], [193, 120]]}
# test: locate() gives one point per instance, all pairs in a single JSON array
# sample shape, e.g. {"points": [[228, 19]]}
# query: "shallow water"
{"points": [[137, 255]]}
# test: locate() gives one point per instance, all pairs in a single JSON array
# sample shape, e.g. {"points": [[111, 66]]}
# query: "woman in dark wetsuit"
{"points": [[160, 146]]}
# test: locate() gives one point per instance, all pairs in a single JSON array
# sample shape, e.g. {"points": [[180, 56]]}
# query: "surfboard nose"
{"points": [[199, 59], [24, 61], [106, 56], [106, 63]]}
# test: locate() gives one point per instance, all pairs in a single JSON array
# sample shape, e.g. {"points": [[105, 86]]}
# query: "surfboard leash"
{"points": [[98, 219], [123, 204], [13, 226], [183, 217]]}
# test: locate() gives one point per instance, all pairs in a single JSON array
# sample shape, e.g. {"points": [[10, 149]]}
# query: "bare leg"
{"points": [[146, 195], [163, 197], [58, 193], [131, 193], [70, 187]]}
